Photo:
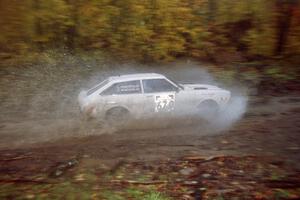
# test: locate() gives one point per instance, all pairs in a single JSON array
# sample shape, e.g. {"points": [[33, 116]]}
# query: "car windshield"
{"points": [[97, 87], [174, 82]]}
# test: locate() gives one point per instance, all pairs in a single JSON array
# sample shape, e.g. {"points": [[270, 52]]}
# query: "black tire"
{"points": [[117, 117], [208, 110]]}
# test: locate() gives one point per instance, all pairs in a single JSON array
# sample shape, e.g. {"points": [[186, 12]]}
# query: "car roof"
{"points": [[137, 76]]}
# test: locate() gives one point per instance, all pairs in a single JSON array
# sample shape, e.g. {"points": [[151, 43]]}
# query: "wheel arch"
{"points": [[209, 101], [114, 108]]}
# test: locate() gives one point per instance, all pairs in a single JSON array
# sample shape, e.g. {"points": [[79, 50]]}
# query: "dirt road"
{"points": [[256, 158], [47, 151], [271, 127]]}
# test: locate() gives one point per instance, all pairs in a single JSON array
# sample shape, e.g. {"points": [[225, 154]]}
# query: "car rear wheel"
{"points": [[208, 110], [117, 117]]}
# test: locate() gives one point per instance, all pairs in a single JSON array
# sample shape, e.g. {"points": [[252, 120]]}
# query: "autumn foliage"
{"points": [[153, 30]]}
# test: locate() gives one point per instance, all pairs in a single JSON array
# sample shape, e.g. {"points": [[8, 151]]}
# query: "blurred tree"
{"points": [[14, 21], [285, 12], [153, 30], [51, 20], [212, 10], [293, 42], [73, 25]]}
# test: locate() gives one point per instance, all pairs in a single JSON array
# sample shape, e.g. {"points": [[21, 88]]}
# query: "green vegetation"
{"points": [[282, 194], [154, 30], [155, 196]]}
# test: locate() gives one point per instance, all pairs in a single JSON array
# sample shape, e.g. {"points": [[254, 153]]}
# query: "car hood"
{"points": [[199, 87]]}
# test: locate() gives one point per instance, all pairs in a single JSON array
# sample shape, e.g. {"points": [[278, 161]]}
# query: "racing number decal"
{"points": [[164, 102]]}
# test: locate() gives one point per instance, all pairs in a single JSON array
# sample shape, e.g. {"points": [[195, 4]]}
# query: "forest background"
{"points": [[259, 37]]}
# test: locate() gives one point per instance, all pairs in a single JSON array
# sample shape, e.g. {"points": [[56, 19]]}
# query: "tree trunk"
{"points": [[285, 14], [71, 32], [37, 24], [212, 10]]}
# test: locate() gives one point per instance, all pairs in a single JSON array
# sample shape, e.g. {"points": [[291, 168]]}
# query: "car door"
{"points": [[160, 97], [127, 94]]}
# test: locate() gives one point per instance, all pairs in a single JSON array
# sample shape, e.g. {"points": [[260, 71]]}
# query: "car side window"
{"points": [[129, 87], [158, 85]]}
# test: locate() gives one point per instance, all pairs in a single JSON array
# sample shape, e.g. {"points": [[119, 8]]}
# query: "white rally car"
{"points": [[138, 96]]}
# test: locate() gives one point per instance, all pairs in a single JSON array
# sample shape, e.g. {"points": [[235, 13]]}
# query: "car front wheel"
{"points": [[208, 110]]}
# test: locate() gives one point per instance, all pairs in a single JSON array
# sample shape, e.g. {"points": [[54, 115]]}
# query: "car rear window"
{"points": [[129, 87]]}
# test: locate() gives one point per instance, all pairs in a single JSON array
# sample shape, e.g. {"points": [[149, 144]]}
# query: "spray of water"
{"points": [[41, 101]]}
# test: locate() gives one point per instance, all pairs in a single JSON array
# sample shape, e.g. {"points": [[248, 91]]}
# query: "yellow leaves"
{"points": [[80, 177], [260, 41], [156, 29], [88, 9]]}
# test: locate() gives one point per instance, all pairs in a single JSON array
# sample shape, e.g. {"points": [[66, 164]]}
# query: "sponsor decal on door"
{"points": [[164, 102]]}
